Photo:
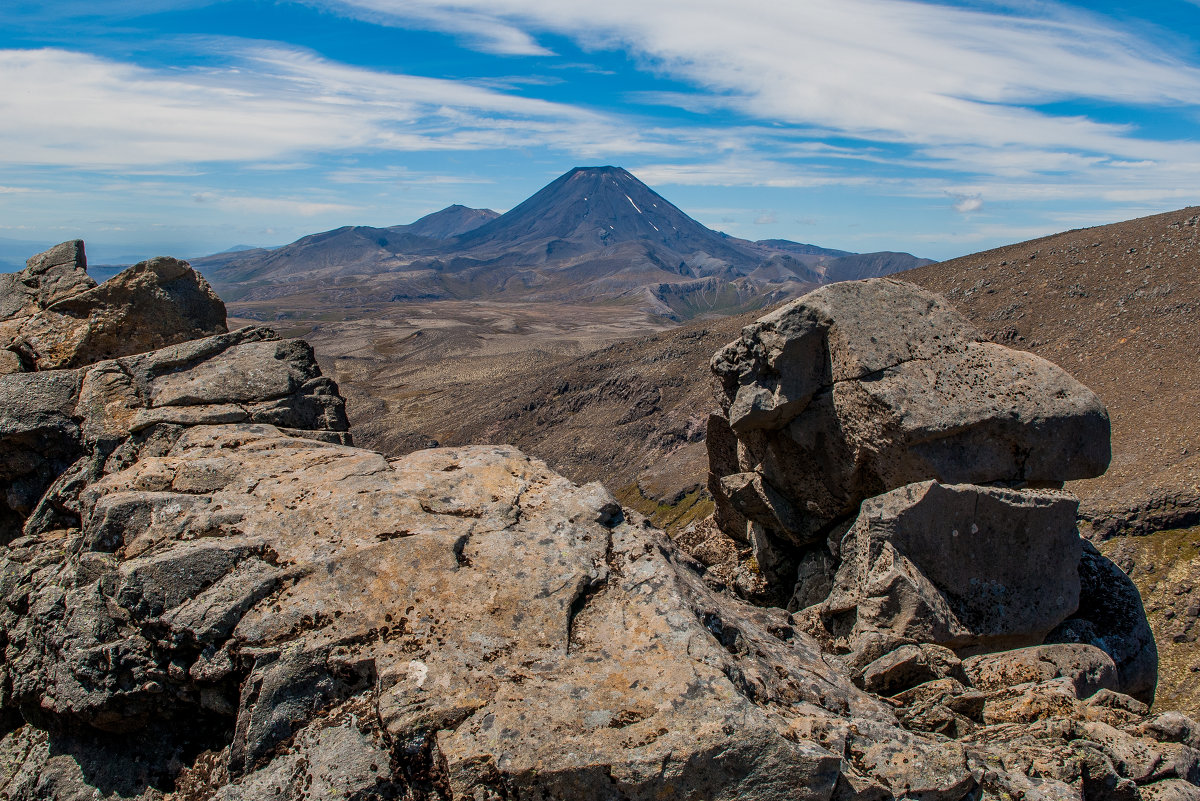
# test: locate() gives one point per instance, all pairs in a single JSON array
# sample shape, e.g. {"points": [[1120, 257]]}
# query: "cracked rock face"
{"points": [[61, 429], [895, 477], [467, 610], [863, 387], [252, 615], [54, 316]]}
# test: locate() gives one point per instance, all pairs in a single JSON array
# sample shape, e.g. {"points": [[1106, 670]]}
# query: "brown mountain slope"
{"points": [[633, 411]]}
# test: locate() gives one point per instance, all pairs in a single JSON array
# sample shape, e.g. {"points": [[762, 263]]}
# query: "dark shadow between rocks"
{"points": [[128, 765]]}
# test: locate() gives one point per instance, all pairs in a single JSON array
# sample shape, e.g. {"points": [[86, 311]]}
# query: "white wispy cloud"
{"points": [[59, 107], [744, 168], [276, 206], [399, 175], [966, 204], [893, 70]]}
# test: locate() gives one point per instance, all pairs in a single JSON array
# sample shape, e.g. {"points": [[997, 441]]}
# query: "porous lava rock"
{"points": [[1089, 669], [54, 316]]}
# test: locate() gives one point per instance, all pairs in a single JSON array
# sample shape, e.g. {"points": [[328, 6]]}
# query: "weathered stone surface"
{"points": [[59, 318], [860, 388], [457, 623], [1170, 790], [449, 590], [61, 429], [1088, 668], [54, 275], [36, 765], [1111, 617], [39, 439], [908, 666], [1172, 727], [961, 566]]}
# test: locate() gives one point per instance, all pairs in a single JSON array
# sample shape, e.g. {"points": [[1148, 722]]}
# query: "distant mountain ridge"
{"points": [[593, 234], [450, 222]]}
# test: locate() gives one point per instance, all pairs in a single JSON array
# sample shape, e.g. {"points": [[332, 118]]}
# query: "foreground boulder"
{"points": [[61, 429], [464, 613], [254, 615], [54, 316], [898, 480]]}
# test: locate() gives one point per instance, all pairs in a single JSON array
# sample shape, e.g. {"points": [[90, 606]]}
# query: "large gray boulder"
{"points": [[965, 567], [61, 429], [862, 387], [54, 316]]}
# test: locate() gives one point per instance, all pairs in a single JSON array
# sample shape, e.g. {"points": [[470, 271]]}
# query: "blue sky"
{"points": [[189, 126]]}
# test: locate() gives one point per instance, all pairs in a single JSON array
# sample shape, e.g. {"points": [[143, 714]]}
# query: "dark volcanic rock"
{"points": [[39, 439], [860, 388], [965, 567], [839, 408], [1111, 617]]}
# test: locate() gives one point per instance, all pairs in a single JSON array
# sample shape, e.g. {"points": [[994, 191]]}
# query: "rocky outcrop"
{"points": [[217, 597], [54, 316], [465, 612], [57, 274], [894, 476], [96, 374], [860, 388], [253, 615]]}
